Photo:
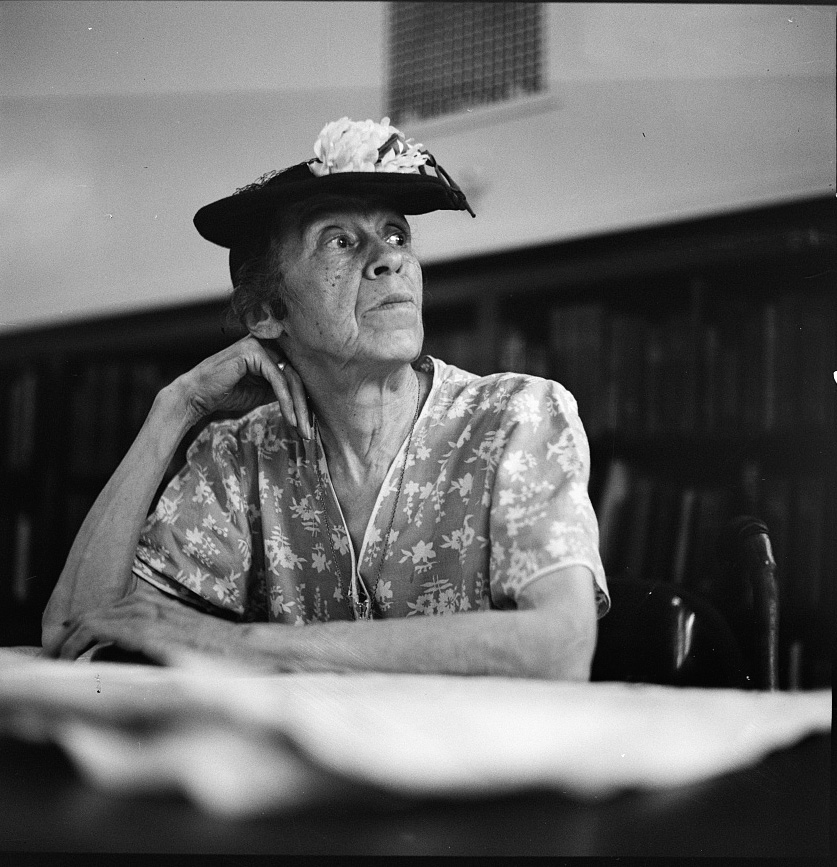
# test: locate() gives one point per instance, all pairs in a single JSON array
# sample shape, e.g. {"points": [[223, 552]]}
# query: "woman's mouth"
{"points": [[394, 301]]}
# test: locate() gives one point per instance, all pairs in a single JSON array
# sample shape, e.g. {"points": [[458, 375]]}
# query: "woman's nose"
{"points": [[383, 259]]}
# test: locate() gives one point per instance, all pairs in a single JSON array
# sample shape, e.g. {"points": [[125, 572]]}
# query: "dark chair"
{"points": [[659, 632]]}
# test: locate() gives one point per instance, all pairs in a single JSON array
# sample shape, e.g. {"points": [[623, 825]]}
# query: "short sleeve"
{"points": [[541, 515], [199, 536]]}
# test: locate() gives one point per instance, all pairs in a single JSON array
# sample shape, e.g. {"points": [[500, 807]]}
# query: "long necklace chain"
{"points": [[364, 610]]}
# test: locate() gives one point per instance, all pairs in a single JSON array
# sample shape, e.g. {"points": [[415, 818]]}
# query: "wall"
{"points": [[121, 119], [100, 191], [655, 112]]}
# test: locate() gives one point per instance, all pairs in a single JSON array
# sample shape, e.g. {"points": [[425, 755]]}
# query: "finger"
{"points": [[78, 640], [69, 634], [297, 389], [51, 648], [279, 383], [85, 631], [300, 398], [128, 634]]}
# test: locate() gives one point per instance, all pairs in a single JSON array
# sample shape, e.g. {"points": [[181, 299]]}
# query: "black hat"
{"points": [[349, 161]]}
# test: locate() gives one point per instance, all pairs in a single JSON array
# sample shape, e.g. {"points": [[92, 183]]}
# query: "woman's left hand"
{"points": [[153, 624], [296, 388]]}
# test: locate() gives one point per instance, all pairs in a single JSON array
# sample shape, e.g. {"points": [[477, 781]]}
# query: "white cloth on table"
{"points": [[239, 743]]}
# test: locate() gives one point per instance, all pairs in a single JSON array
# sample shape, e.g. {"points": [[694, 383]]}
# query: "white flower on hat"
{"points": [[364, 146]]}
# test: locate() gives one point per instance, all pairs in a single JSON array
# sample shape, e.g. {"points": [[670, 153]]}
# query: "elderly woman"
{"points": [[378, 487]]}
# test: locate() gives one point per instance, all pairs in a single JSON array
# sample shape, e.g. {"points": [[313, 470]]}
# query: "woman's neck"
{"points": [[362, 422]]}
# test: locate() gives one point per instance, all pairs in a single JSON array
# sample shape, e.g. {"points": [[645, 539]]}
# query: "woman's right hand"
{"points": [[240, 378]]}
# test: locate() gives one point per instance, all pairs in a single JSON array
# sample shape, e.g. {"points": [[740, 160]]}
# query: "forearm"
{"points": [[551, 635], [98, 568], [533, 643]]}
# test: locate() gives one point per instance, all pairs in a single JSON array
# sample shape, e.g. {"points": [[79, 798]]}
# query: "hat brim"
{"points": [[240, 219]]}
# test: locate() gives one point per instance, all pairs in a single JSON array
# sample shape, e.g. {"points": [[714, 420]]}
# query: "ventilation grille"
{"points": [[448, 57]]}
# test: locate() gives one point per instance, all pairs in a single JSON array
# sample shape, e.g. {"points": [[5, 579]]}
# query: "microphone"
{"points": [[744, 545]]}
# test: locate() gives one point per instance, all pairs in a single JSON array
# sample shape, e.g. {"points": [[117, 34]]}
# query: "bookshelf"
{"points": [[701, 355]]}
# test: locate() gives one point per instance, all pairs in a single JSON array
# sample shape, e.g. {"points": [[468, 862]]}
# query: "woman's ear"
{"points": [[266, 329]]}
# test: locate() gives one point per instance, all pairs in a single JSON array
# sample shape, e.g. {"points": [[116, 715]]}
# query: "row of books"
{"points": [[748, 369], [744, 368], [105, 403], [20, 582], [653, 528], [18, 561], [18, 398], [741, 368], [109, 401]]}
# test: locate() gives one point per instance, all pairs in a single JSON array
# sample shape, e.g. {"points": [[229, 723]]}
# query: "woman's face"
{"points": [[353, 288]]}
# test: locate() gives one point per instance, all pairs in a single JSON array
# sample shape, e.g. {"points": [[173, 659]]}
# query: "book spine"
{"points": [[576, 358], [809, 543], [146, 380], [107, 420], [638, 528], [624, 373], [816, 334], [769, 372], [663, 531], [787, 362], [712, 510], [21, 572], [590, 366], [655, 384], [83, 403], [711, 374], [680, 394], [685, 522], [20, 425], [611, 513], [512, 351], [729, 402], [561, 351]]}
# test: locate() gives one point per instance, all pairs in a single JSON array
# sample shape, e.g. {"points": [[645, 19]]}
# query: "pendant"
{"points": [[361, 600], [363, 610]]}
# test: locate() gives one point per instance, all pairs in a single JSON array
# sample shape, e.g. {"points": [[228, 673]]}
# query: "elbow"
{"points": [[559, 614], [50, 628], [50, 617], [567, 654], [580, 663], [53, 619]]}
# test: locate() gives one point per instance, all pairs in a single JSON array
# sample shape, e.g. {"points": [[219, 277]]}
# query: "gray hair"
{"points": [[259, 288]]}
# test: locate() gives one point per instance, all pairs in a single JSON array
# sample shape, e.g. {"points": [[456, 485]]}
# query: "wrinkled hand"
{"points": [[242, 377], [153, 624]]}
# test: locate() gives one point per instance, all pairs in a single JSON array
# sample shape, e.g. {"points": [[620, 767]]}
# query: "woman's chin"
{"points": [[394, 348]]}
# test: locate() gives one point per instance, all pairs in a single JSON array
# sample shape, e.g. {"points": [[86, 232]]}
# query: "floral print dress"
{"points": [[494, 496]]}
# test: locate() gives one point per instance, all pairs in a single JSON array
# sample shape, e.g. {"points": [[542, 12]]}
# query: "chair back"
{"points": [[659, 632]]}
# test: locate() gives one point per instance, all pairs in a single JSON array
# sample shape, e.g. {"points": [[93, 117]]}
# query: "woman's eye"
{"points": [[341, 242]]}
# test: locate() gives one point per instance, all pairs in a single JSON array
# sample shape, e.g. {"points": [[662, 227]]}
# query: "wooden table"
{"points": [[778, 808]]}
